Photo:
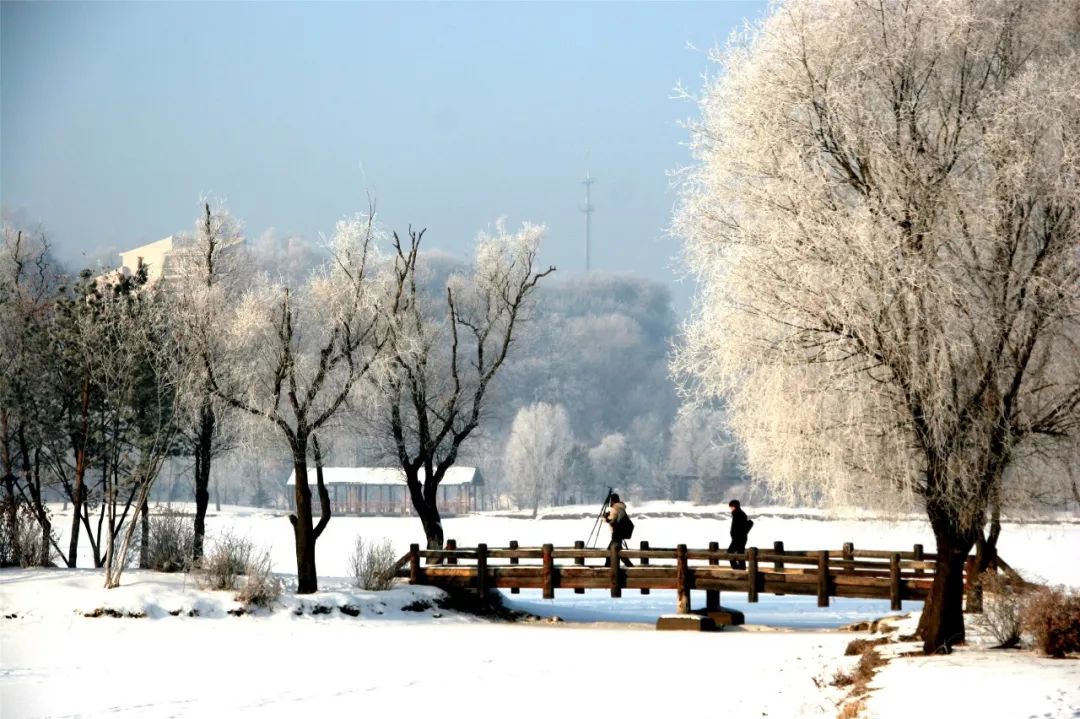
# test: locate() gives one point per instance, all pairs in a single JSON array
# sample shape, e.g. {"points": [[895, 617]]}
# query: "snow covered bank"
{"points": [[402, 653]]}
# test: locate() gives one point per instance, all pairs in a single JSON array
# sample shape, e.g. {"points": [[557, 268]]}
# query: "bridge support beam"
{"points": [[712, 596], [682, 580]]}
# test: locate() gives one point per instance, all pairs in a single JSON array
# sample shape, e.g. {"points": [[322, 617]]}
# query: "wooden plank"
{"points": [[451, 546], [894, 582], [778, 555], [752, 575], [778, 549], [414, 564], [580, 561], [549, 573], [682, 580], [823, 579], [643, 561], [481, 569], [615, 564], [514, 560], [918, 552], [849, 556], [712, 596]]}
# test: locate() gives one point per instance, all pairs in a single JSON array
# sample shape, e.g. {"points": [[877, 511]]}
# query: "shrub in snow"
{"points": [[863, 672], [20, 537], [228, 559], [373, 564], [172, 538], [261, 586], [1052, 616], [1003, 598]]}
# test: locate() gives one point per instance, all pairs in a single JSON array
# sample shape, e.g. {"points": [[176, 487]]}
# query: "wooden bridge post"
{"points": [[451, 546], [849, 556], [712, 596], [778, 564], [580, 561], [823, 578], [481, 569], [616, 560], [549, 572], [644, 563], [414, 564], [918, 552], [682, 580], [894, 581], [514, 560], [752, 575]]}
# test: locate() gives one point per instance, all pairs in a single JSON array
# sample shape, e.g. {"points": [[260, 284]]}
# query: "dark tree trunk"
{"points": [[203, 447], [427, 509], [144, 545], [303, 526], [942, 623]]}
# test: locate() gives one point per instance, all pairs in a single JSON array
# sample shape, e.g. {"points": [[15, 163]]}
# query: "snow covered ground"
{"points": [[54, 661]]}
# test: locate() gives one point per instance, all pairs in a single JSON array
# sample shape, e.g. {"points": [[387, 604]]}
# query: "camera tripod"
{"points": [[594, 535]]}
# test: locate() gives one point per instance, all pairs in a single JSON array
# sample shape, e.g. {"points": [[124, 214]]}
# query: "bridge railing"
{"points": [[846, 572]]}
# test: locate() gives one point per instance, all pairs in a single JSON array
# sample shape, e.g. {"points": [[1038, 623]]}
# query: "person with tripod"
{"points": [[621, 526]]}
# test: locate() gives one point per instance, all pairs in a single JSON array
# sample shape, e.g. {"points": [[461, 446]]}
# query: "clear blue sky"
{"points": [[116, 117]]}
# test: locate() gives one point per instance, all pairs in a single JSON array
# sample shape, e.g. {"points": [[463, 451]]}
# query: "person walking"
{"points": [[621, 527], [740, 530]]}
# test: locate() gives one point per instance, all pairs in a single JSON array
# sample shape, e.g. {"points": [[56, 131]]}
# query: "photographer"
{"points": [[621, 526], [740, 530]]}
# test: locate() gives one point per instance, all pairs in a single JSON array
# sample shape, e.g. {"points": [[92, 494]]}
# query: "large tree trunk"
{"points": [[203, 447], [942, 623], [303, 526], [427, 509]]}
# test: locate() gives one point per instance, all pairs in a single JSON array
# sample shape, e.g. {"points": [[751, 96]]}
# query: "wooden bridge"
{"points": [[846, 572]]}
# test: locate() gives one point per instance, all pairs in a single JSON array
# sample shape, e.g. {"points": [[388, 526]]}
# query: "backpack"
{"points": [[749, 525], [625, 527]]}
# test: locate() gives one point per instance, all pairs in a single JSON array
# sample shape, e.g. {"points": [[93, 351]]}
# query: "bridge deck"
{"points": [[822, 573]]}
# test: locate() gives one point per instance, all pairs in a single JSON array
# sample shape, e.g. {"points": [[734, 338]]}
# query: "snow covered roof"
{"points": [[387, 476]]}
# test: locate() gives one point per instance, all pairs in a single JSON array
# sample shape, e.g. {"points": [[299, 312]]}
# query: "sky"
{"points": [[116, 118]]}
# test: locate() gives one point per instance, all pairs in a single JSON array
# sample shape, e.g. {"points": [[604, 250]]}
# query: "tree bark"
{"points": [[303, 526], [203, 450], [942, 623], [428, 510]]}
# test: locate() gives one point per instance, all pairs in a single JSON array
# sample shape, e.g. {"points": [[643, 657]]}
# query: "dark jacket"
{"points": [[740, 526], [615, 515]]}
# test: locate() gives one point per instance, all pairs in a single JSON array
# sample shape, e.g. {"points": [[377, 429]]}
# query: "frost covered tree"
{"points": [[884, 217], [444, 350], [613, 464], [290, 359], [137, 378], [205, 282], [537, 453], [702, 452], [27, 288]]}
